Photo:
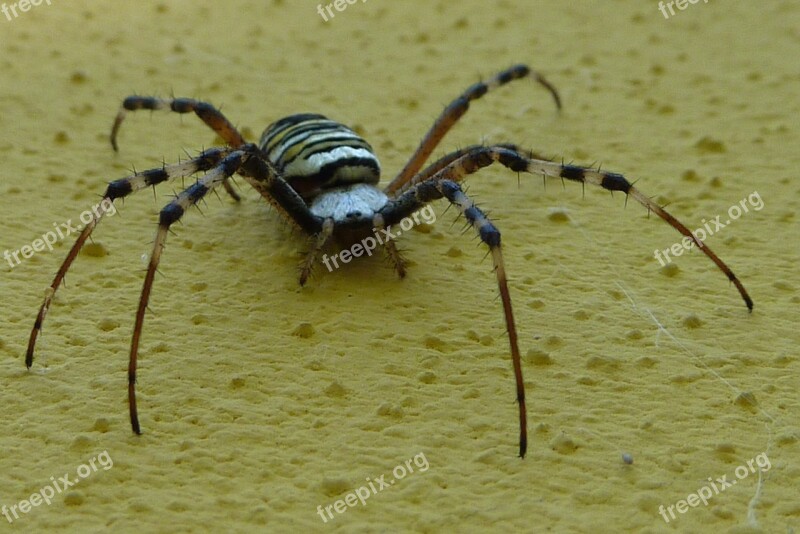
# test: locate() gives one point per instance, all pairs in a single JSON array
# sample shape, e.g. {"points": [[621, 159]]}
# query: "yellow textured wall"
{"points": [[261, 401]]}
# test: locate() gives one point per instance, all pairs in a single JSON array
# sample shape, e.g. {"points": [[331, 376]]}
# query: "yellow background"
{"points": [[260, 400]]}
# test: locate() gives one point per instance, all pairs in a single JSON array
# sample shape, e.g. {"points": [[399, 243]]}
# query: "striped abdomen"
{"points": [[314, 153]]}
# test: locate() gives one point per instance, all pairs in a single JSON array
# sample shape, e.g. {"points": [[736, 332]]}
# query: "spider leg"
{"points": [[210, 115], [320, 240], [454, 111], [485, 156], [437, 188], [264, 178], [390, 247], [120, 189], [172, 213], [447, 159]]}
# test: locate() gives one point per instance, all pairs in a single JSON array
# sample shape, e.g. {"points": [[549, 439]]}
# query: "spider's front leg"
{"points": [[429, 171], [121, 188], [320, 240], [211, 116], [171, 214], [434, 189], [481, 157], [455, 167]]}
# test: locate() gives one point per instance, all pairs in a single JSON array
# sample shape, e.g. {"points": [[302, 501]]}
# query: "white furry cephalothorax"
{"points": [[358, 200]]}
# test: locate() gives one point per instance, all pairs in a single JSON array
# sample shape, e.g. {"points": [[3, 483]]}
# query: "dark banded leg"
{"points": [[119, 189], [446, 160], [455, 110], [390, 247], [320, 240], [172, 213], [210, 115], [263, 177], [485, 156], [437, 188]]}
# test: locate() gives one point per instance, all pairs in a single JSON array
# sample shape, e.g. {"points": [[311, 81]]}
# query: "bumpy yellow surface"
{"points": [[261, 401]]}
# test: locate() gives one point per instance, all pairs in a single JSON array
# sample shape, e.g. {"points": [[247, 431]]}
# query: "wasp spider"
{"points": [[323, 177]]}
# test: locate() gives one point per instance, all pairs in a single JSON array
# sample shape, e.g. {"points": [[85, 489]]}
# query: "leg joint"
{"points": [[572, 172], [183, 105], [132, 103], [476, 91], [449, 189], [118, 189], [171, 213], [488, 232], [615, 182], [513, 161], [513, 73]]}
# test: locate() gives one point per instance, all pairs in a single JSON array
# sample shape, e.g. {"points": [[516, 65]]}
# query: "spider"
{"points": [[322, 177]]}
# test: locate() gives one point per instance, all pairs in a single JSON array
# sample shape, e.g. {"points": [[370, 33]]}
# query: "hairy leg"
{"points": [[438, 188], [455, 110], [484, 156], [171, 214], [119, 189]]}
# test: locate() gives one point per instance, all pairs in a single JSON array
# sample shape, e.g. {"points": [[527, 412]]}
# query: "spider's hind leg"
{"points": [[211, 116], [455, 110]]}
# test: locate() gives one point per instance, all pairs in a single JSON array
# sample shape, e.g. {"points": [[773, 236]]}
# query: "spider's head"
{"points": [[349, 204]]}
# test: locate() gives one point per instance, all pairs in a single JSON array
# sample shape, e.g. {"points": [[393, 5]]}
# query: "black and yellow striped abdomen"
{"points": [[314, 153]]}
